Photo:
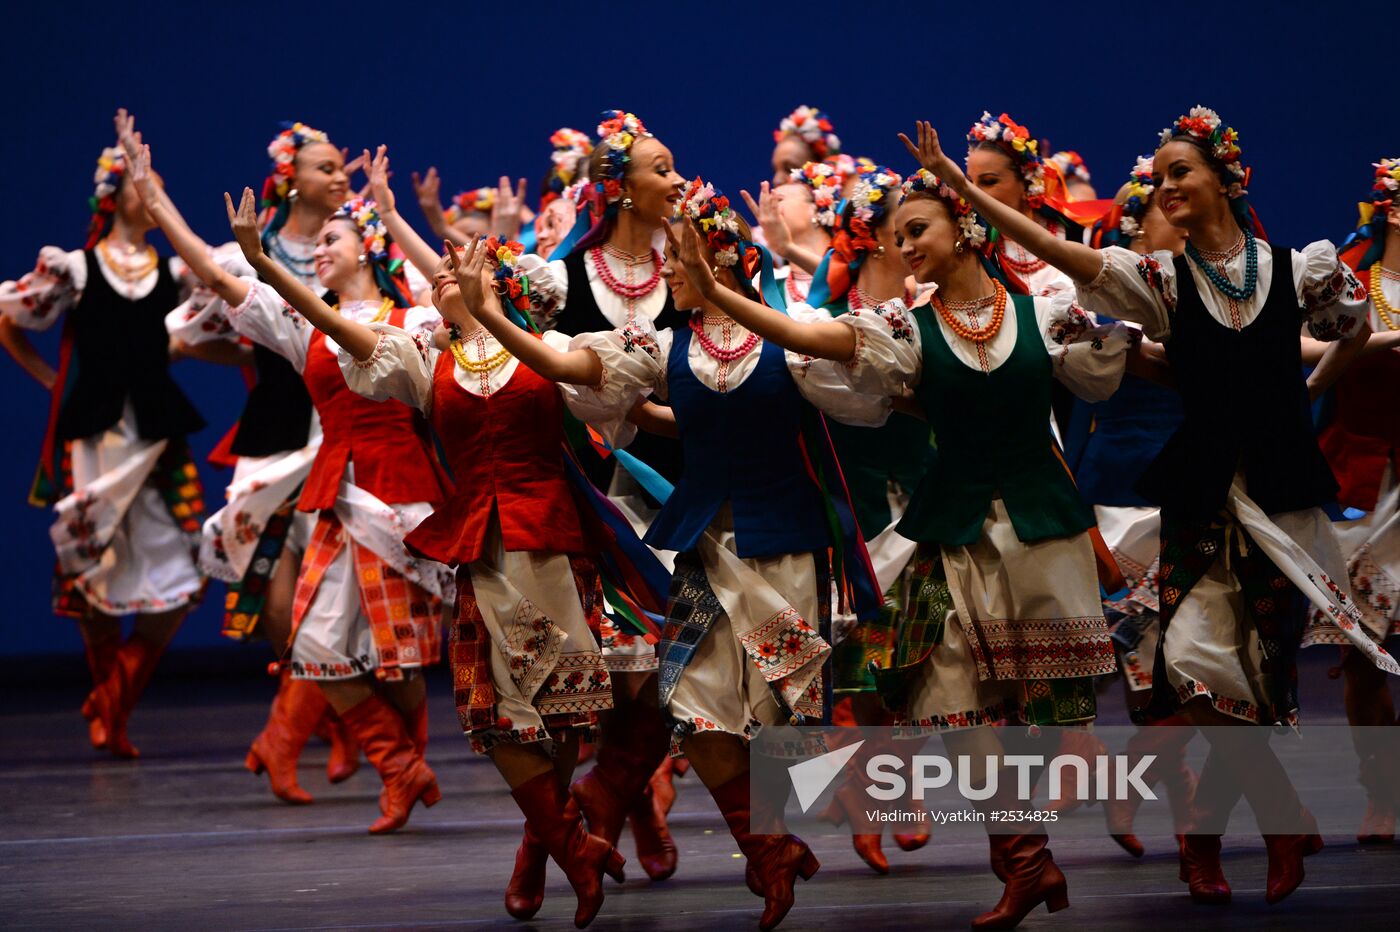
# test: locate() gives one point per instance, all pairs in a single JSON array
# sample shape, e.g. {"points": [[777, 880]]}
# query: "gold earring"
{"points": [[627, 203], [959, 246]]}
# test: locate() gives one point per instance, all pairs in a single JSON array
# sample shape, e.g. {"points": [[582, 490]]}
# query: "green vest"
{"points": [[993, 431], [871, 457]]}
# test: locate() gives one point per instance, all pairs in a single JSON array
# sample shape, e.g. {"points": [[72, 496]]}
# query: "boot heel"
{"points": [[432, 795], [254, 764], [614, 866], [1057, 898], [1313, 845], [809, 866]]}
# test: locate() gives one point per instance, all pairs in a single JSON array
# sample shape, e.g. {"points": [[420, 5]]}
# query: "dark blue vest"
{"points": [[743, 447]]}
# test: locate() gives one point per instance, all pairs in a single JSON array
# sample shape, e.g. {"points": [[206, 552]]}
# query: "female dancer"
{"points": [[804, 135], [1128, 431], [608, 278], [255, 543], [365, 609], [740, 648], [559, 200], [797, 219], [1078, 184], [991, 630], [1242, 476], [115, 465], [1360, 443]]}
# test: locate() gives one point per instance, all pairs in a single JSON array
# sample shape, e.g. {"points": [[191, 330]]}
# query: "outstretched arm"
{"points": [[1079, 262], [24, 353], [357, 339], [187, 243], [576, 367], [428, 190], [775, 230], [821, 339], [423, 256]]}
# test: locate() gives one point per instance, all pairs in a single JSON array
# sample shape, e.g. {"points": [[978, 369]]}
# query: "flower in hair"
{"points": [[475, 201], [1222, 142], [970, 225], [374, 236], [712, 215], [507, 279], [870, 198], [1139, 196], [825, 182], [111, 168], [1071, 165], [1015, 140], [619, 131], [571, 147], [813, 127], [283, 151], [1387, 185]]}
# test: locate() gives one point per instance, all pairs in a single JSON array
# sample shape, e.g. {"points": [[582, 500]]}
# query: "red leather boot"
{"points": [[774, 861], [1201, 871], [1168, 744], [101, 654], [583, 857], [1083, 744], [114, 700], [525, 891], [849, 804], [1286, 853], [656, 850], [1031, 879], [380, 731], [635, 745], [296, 709], [344, 759]]}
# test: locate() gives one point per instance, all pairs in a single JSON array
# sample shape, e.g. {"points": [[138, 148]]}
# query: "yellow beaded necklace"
{"points": [[1382, 306], [129, 272], [487, 364]]}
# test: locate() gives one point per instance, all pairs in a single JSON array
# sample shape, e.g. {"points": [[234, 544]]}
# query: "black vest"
{"points": [[1246, 407], [581, 314], [122, 352], [277, 415]]}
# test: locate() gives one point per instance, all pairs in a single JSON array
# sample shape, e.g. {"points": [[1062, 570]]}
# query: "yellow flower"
{"points": [[1018, 144], [876, 194]]}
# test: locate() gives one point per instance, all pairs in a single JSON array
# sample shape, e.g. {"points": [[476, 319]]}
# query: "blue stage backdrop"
{"points": [[476, 89]]}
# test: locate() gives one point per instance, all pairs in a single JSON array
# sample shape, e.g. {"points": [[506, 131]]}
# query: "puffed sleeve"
{"points": [[1089, 357], [1333, 300], [888, 356], [40, 297], [1139, 288], [549, 288], [203, 315], [267, 320], [826, 385], [401, 367], [634, 366], [421, 320]]}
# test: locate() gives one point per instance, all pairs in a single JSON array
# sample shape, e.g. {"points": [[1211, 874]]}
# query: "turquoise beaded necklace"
{"points": [[1222, 283]]}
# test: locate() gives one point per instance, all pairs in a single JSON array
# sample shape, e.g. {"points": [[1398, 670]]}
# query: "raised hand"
{"points": [[469, 266], [138, 168], [931, 156], [379, 179], [244, 223], [770, 218], [507, 211], [127, 137], [692, 257], [428, 190]]}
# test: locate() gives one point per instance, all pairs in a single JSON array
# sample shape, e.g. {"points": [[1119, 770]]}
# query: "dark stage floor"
{"points": [[186, 839]]}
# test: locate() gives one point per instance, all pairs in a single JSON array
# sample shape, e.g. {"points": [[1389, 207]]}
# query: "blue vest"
{"points": [[743, 447], [1129, 430]]}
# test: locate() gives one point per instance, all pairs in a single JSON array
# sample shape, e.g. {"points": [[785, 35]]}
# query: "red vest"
{"points": [[506, 454], [1364, 434], [385, 440]]}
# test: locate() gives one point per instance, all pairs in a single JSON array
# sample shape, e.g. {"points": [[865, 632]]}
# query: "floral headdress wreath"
{"points": [[847, 167], [1071, 165], [618, 132], [571, 147], [509, 281], [382, 254], [278, 187], [1363, 247], [1221, 142], [853, 239], [111, 169], [970, 223], [475, 201], [825, 182], [1015, 140], [813, 127], [717, 221], [1123, 221]]}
